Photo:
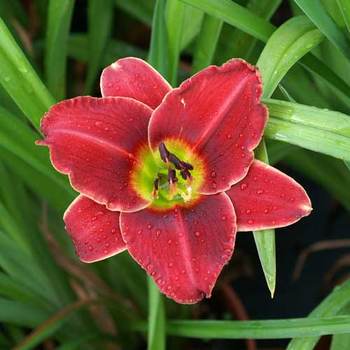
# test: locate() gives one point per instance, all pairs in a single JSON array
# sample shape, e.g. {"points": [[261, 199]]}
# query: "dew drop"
{"points": [[158, 233], [169, 241], [248, 211], [259, 191], [223, 218], [98, 123], [266, 211], [229, 136], [242, 155], [250, 221], [91, 248], [139, 232], [197, 233], [170, 264], [243, 186], [213, 174], [149, 226]]}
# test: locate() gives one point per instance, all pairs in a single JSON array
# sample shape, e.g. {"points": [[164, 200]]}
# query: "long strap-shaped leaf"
{"points": [[319, 16], [20, 80], [269, 329], [316, 129], [295, 37], [243, 19], [58, 23], [332, 305], [100, 16]]}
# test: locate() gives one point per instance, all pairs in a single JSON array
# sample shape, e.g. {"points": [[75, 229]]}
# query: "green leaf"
{"points": [[330, 306], [265, 239], [206, 43], [156, 318], [309, 127], [340, 342], [236, 15], [344, 6], [20, 80], [78, 48], [291, 41], [267, 329], [22, 314], [140, 9], [319, 16], [100, 18], [19, 139], [241, 18], [175, 24], [158, 53], [57, 31]]}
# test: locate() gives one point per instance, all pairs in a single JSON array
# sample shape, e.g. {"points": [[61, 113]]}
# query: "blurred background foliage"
{"points": [[54, 49]]}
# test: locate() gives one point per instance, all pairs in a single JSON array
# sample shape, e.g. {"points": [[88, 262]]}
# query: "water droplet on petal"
{"points": [[197, 233], [213, 174], [250, 221], [224, 217], [266, 211], [248, 211], [243, 186], [260, 191]]}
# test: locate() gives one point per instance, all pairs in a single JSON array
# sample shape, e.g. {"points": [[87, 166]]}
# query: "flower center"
{"points": [[168, 176]]}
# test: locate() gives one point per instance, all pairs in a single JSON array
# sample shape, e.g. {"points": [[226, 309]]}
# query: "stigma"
{"points": [[176, 169]]}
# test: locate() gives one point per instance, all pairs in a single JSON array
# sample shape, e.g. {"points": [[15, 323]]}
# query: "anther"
{"points": [[175, 161], [172, 176], [164, 153], [185, 174], [155, 192]]}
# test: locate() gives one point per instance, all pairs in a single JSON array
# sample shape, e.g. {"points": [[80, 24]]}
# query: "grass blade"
{"points": [[309, 127], [57, 31], [285, 47], [269, 329], [140, 9], [330, 306], [158, 53], [344, 6], [206, 42], [100, 17], [156, 318], [20, 80], [319, 16], [175, 24]]}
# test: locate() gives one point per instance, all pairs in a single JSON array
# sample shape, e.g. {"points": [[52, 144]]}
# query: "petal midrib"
{"points": [[185, 249], [221, 115], [96, 140]]}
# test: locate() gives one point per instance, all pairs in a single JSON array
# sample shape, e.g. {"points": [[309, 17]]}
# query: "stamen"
{"points": [[185, 174], [164, 153], [187, 166], [172, 176], [155, 192]]}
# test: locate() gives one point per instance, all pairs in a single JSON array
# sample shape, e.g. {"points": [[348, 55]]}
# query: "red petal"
{"points": [[183, 249], [132, 77], [94, 141], [267, 198], [219, 114], [94, 230]]}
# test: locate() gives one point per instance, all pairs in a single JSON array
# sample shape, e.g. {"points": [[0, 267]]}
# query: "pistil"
{"points": [[174, 164]]}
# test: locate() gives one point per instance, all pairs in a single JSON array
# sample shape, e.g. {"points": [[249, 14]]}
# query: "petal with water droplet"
{"points": [[270, 199], [91, 141], [93, 229], [135, 78], [218, 113], [194, 245]]}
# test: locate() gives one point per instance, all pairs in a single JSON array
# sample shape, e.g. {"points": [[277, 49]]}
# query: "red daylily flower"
{"points": [[169, 174]]}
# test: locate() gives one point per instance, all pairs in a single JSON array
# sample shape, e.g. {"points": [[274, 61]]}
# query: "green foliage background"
{"points": [[46, 295]]}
